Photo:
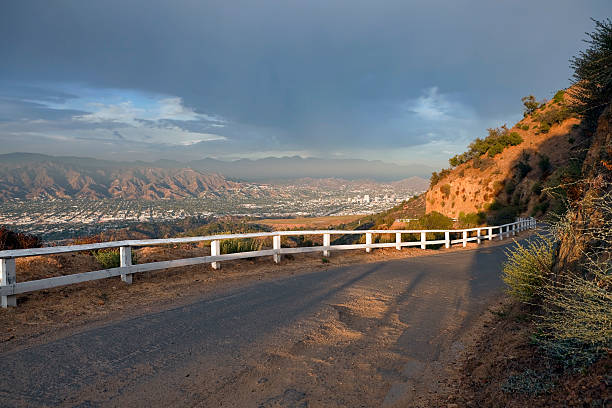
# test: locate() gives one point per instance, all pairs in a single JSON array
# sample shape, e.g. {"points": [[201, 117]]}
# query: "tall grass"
{"points": [[109, 258], [527, 267], [231, 246], [574, 318]]}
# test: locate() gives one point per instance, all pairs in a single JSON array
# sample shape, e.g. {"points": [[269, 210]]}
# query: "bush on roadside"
{"points": [[17, 240], [527, 267], [109, 258], [576, 319], [231, 246], [471, 220]]}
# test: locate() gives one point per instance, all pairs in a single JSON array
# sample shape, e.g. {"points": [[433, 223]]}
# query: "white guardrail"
{"points": [[9, 287]]}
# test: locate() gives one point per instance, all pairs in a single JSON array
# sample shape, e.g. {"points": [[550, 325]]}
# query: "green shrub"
{"points": [[527, 267], [502, 214], [528, 382], [482, 163], [471, 220], [558, 98], [544, 164], [579, 310], [431, 221], [554, 115], [446, 189], [436, 177], [497, 140], [110, 258], [230, 246], [522, 169], [530, 104], [544, 127]]}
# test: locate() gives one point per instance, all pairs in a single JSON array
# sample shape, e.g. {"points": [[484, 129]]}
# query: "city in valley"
{"points": [[56, 219]]}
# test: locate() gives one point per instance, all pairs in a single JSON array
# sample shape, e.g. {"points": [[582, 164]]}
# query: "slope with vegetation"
{"points": [[551, 345], [509, 172]]}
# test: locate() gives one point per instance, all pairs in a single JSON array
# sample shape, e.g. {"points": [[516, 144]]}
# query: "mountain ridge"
{"points": [[260, 170], [34, 176]]}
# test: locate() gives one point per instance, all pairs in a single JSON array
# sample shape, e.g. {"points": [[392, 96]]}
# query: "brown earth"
{"points": [[500, 349], [307, 222]]}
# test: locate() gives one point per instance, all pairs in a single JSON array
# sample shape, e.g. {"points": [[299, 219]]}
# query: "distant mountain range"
{"points": [[29, 176], [276, 168]]}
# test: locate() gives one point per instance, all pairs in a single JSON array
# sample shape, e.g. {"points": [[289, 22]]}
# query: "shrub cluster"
{"points": [[230, 246], [436, 177], [526, 267], [530, 104], [552, 116], [471, 220], [574, 317], [110, 258], [497, 140], [17, 240]]}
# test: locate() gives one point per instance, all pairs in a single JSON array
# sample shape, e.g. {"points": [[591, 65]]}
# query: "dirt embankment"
{"points": [[503, 368]]}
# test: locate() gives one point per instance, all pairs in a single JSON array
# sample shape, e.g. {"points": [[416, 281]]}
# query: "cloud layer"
{"points": [[408, 81]]}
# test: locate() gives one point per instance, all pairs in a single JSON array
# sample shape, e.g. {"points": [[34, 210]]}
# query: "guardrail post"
{"points": [[423, 240], [464, 238], [478, 236], [276, 245], [8, 276], [490, 231], [398, 241], [125, 259], [501, 233], [368, 241], [513, 229], [215, 250], [446, 239], [326, 243]]}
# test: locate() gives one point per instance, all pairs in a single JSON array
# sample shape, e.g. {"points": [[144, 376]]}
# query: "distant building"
{"points": [[366, 198]]}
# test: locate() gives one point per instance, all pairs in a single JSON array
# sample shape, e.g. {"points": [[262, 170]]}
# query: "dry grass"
{"points": [[309, 222]]}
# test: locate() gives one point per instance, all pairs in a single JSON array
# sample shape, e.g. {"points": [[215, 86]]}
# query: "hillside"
{"points": [[50, 178], [507, 181]]}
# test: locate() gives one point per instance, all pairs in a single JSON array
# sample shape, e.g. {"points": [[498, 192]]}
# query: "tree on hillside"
{"points": [[592, 79], [531, 105]]}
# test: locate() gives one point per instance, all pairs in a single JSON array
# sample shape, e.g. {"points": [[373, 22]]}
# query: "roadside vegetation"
{"points": [[110, 258], [17, 240], [556, 335]]}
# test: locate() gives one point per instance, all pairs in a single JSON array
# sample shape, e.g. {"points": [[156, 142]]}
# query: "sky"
{"points": [[408, 82]]}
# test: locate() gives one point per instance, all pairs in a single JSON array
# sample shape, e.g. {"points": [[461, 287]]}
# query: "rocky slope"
{"points": [[517, 178]]}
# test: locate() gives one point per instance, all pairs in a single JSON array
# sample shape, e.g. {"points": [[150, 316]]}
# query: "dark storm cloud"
{"points": [[20, 110], [317, 75]]}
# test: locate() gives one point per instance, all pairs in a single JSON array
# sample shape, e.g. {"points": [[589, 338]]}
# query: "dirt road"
{"points": [[379, 334]]}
